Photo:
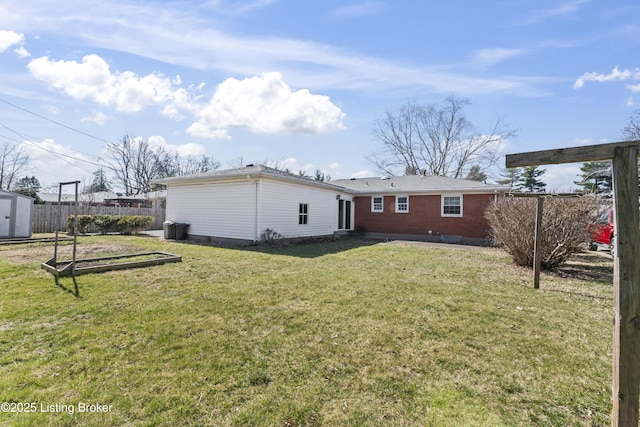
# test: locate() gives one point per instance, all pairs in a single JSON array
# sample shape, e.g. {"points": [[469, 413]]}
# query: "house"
{"points": [[16, 212], [240, 204], [419, 207]]}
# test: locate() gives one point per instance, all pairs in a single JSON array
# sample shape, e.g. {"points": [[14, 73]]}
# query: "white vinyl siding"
{"points": [[221, 210], [280, 208], [243, 209]]}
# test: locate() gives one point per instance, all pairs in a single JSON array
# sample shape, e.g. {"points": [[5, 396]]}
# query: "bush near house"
{"points": [[566, 227], [127, 224]]}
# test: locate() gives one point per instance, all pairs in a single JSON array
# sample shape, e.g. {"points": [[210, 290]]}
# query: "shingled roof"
{"points": [[417, 184]]}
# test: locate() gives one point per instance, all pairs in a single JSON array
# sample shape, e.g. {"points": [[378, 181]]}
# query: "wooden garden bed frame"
{"points": [[74, 267], [22, 241], [71, 268]]}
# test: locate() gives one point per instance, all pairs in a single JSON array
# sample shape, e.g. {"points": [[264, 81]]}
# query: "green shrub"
{"points": [[128, 224], [84, 222], [106, 223], [133, 224]]}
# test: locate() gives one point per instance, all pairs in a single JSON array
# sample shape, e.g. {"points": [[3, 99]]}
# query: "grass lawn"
{"points": [[346, 333]]}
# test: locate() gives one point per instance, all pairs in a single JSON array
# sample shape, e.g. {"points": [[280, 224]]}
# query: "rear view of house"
{"points": [[418, 207]]}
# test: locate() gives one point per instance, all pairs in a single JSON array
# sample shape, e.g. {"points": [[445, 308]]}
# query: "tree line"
{"points": [[438, 139], [431, 139]]}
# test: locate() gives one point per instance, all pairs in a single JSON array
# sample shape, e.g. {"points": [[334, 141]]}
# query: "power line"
{"points": [[58, 155], [53, 121]]}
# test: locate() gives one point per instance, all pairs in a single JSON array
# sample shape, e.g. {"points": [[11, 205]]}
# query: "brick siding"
{"points": [[424, 215]]}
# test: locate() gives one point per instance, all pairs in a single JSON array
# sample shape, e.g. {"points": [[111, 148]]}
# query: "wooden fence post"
{"points": [[626, 286], [537, 250]]}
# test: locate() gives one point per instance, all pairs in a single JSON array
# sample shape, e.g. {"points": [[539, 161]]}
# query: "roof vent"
{"points": [[353, 179], [392, 184], [384, 177], [250, 165]]}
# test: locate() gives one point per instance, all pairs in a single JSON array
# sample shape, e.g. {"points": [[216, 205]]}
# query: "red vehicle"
{"points": [[603, 232]]}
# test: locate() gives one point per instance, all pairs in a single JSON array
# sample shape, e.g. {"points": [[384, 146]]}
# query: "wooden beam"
{"points": [[588, 153], [626, 288], [537, 246]]}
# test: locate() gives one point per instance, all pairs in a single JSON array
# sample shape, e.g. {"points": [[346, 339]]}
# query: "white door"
{"points": [[5, 217]]}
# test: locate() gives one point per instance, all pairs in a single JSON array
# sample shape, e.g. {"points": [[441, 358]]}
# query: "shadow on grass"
{"points": [[75, 291], [588, 266], [309, 248]]}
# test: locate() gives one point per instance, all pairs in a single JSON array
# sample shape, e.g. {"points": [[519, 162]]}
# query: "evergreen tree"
{"points": [[28, 186], [528, 180], [476, 174], [596, 177], [100, 182], [510, 177]]}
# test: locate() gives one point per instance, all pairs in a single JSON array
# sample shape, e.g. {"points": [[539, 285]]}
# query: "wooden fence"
{"points": [[46, 217]]}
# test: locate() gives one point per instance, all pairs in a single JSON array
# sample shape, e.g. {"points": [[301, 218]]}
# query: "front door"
{"points": [[5, 217]]}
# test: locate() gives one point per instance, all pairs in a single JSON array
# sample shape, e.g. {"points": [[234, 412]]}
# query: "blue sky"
{"points": [[301, 83]]}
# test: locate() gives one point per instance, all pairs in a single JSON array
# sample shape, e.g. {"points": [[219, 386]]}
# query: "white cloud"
{"points": [[168, 33], [567, 8], [93, 80], [292, 164], [495, 55], [200, 130], [10, 38], [53, 163], [266, 104], [183, 150], [334, 165], [98, 118], [22, 52], [616, 74], [634, 88], [364, 174], [359, 9], [51, 109]]}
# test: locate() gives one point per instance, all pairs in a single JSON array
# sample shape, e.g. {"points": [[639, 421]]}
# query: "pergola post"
{"points": [[626, 274], [537, 250], [626, 289]]}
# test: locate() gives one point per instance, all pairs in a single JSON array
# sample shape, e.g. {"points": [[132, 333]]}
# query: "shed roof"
{"points": [[13, 194], [417, 184]]}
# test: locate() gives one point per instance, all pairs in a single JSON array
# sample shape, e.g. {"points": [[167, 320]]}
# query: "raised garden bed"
{"points": [[23, 240], [108, 263]]}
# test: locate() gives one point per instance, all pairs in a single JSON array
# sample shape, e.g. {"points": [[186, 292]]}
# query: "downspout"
{"points": [[256, 213]]}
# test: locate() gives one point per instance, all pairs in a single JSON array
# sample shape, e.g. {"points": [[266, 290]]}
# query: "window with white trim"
{"points": [[402, 204], [303, 214], [452, 205], [377, 204]]}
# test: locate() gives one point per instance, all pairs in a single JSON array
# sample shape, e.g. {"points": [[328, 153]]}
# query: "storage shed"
{"points": [[15, 215]]}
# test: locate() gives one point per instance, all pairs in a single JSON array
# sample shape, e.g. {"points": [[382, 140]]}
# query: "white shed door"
{"points": [[5, 217]]}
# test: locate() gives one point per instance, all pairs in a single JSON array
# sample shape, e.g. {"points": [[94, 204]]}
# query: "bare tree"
{"points": [[133, 162], [13, 162], [631, 131], [436, 140]]}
